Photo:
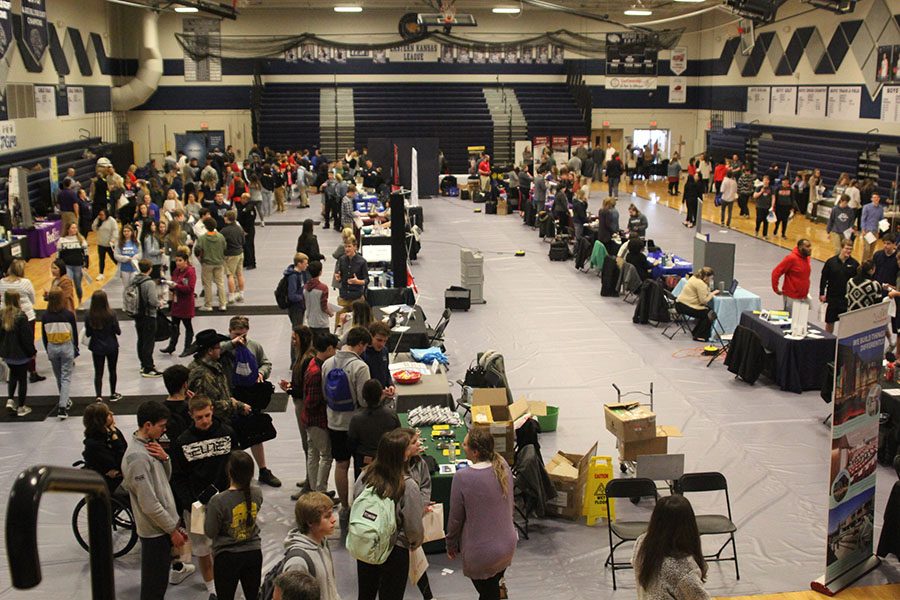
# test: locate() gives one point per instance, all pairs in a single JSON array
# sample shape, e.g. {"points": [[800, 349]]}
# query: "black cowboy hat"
{"points": [[205, 340]]}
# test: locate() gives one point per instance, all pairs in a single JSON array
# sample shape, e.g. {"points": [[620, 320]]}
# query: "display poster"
{"points": [[758, 99], [580, 140], [6, 31], [890, 104], [629, 53], [811, 101], [631, 83], [7, 136], [560, 146], [854, 439], [415, 53], [784, 100], [414, 178], [677, 90], [75, 95], [34, 27], [678, 60], [844, 102], [45, 102], [192, 144], [537, 149], [54, 178], [884, 63]]}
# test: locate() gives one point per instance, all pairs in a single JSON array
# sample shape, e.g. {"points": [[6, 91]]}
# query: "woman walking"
{"points": [[691, 198], [60, 334], [668, 560], [308, 243], [107, 231], [73, 252], [151, 248], [17, 350], [15, 281], [231, 524], [127, 253], [102, 327], [63, 283], [765, 201], [480, 526], [386, 477], [182, 284]]}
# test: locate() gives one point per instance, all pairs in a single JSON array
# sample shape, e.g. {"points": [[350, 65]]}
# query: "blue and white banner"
{"points": [[34, 27]]}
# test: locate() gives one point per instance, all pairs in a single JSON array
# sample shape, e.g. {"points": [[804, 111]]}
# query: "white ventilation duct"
{"points": [[150, 68]]}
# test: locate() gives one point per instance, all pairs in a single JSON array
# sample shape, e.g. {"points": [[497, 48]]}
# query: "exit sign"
{"points": [[652, 123], [606, 123], [204, 125]]}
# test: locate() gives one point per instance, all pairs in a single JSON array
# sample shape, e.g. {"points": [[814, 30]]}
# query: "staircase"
{"points": [[509, 123], [337, 122]]}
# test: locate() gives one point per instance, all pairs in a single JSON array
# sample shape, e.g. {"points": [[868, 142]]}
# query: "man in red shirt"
{"points": [[795, 268], [484, 173], [719, 174]]}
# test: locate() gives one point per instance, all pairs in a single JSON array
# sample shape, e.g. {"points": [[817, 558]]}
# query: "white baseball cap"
{"points": [[103, 162]]}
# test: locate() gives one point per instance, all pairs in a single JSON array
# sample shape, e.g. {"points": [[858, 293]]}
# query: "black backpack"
{"points": [[281, 292], [267, 589]]}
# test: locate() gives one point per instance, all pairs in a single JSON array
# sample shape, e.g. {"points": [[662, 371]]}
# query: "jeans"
{"points": [[146, 339], [176, 329], [727, 206], [229, 568], [489, 589], [761, 214], [76, 274], [62, 359], [210, 274], [102, 252], [386, 581], [18, 377], [155, 560], [265, 207], [613, 187], [318, 458], [99, 360]]}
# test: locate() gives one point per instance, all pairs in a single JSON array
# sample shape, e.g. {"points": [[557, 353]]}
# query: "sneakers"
{"points": [[63, 413], [100, 277], [116, 397], [151, 373], [184, 354], [267, 477], [35, 377], [23, 411], [239, 297], [168, 350], [223, 308], [176, 576], [11, 405], [205, 309]]}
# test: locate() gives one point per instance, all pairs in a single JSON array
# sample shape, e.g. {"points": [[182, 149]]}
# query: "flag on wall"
{"points": [[34, 27]]}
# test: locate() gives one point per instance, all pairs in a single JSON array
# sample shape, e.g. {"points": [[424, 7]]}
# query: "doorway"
{"points": [[651, 137], [601, 137]]}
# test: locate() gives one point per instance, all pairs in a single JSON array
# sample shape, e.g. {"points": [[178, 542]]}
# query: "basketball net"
{"points": [[448, 11]]}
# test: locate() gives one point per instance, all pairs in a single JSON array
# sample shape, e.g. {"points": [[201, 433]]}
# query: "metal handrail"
{"points": [[21, 525]]}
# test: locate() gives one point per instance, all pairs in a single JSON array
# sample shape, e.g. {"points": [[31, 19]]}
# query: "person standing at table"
{"points": [[353, 275], [795, 269], [694, 300], [872, 214], [369, 425], [833, 284]]}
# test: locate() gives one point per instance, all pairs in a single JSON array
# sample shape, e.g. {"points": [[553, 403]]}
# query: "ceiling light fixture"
{"points": [[186, 9], [638, 10], [506, 10], [348, 9]]}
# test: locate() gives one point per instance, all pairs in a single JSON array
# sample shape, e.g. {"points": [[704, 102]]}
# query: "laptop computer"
{"points": [[730, 291]]}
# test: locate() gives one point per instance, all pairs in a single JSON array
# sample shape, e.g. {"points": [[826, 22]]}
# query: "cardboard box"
{"points": [[659, 444], [490, 410], [630, 422], [502, 207], [536, 408], [569, 473]]}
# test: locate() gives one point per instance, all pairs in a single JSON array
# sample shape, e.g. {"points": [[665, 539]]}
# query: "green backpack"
{"points": [[373, 523]]}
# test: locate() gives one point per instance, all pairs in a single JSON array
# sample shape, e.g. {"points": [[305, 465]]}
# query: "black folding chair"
{"points": [[677, 321], [717, 524], [626, 531], [436, 335]]}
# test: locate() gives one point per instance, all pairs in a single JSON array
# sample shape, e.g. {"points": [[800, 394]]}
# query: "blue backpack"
{"points": [[246, 369], [338, 394]]}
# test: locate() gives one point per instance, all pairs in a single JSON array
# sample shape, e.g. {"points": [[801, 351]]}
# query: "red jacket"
{"points": [[183, 291], [795, 269], [719, 172]]}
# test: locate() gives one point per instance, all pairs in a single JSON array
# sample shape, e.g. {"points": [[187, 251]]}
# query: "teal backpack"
{"points": [[373, 523]]}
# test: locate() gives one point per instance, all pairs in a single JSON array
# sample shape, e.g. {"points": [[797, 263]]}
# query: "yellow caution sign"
{"points": [[600, 472]]}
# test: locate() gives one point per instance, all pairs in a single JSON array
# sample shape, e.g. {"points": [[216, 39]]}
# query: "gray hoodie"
{"points": [[320, 557], [147, 481], [357, 373]]}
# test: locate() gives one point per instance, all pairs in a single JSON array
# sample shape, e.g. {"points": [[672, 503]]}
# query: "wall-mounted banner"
{"points": [[421, 52], [677, 90], [784, 100], [758, 100], [678, 60], [6, 31], [76, 100], [45, 102], [631, 83], [7, 136], [890, 104], [854, 440], [811, 101], [34, 27], [844, 102]]}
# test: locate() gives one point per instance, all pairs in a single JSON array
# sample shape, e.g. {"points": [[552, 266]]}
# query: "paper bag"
{"points": [[823, 310], [198, 517], [418, 564], [433, 523]]}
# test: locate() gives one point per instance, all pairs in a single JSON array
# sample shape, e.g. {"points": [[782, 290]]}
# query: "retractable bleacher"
{"points": [[289, 116]]}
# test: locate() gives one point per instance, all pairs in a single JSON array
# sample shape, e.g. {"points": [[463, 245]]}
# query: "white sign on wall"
{"points": [[631, 83], [677, 90], [7, 136], [421, 52], [784, 100], [76, 100], [844, 102], [758, 100], [678, 60], [45, 102], [890, 104], [811, 101]]}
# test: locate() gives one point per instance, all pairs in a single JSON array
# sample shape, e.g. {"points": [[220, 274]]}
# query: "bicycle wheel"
{"points": [[124, 531]]}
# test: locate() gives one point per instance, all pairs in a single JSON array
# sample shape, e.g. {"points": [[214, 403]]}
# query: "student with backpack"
{"points": [[306, 546], [141, 302], [102, 327], [343, 377], [231, 523], [368, 425], [289, 293], [60, 334], [381, 546]]}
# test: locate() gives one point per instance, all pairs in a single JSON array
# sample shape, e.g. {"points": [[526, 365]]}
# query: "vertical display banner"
{"points": [[678, 60], [677, 90], [854, 448], [537, 149], [6, 32], [34, 27], [883, 64], [560, 146], [54, 178], [414, 178]]}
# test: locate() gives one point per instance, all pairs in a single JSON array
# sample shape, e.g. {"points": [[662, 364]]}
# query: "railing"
{"points": [[21, 525]]}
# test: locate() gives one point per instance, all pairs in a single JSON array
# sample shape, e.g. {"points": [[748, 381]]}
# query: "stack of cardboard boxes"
{"points": [[636, 431], [569, 474]]}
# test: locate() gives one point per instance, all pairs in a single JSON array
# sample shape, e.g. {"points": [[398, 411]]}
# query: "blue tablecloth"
{"points": [[729, 308], [680, 268]]}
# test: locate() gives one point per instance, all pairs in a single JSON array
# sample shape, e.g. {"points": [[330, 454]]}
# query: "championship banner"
{"points": [[677, 90], [854, 448], [34, 27], [678, 60], [6, 32]]}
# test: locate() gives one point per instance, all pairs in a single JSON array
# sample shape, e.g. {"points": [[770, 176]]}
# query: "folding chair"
{"points": [[677, 320], [724, 340], [437, 334], [626, 531], [713, 524], [629, 273]]}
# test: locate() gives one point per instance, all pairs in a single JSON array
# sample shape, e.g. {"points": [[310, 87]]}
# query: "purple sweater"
{"points": [[480, 526]]}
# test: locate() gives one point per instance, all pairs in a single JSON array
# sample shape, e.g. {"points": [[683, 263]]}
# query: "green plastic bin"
{"points": [[548, 422]]}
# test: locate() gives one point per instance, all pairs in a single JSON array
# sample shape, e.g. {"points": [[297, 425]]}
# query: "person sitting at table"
{"points": [[368, 425], [693, 302], [863, 290], [635, 256], [833, 285]]}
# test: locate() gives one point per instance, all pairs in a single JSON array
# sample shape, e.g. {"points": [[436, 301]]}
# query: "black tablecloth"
{"points": [[798, 363], [415, 337]]}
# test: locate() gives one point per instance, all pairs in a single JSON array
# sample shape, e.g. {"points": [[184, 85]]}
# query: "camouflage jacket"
{"points": [[207, 378]]}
